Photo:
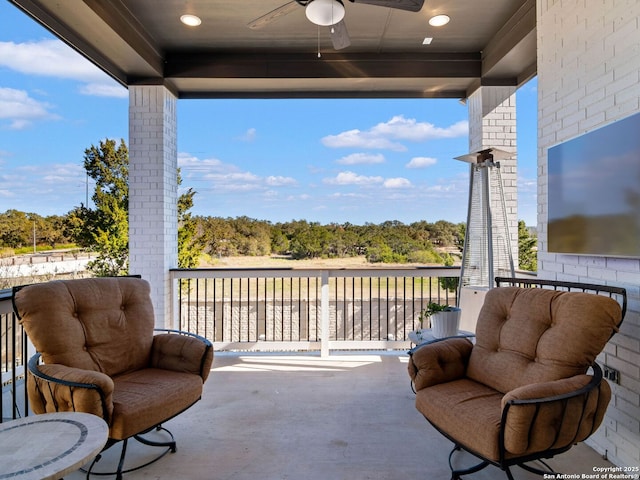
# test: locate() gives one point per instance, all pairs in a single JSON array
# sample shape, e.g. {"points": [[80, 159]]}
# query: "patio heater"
{"points": [[487, 245]]}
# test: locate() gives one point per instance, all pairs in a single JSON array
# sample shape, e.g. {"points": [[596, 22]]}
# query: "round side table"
{"points": [[50, 445]]}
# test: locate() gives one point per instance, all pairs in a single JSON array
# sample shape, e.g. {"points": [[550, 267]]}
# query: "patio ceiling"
{"points": [[143, 42]]}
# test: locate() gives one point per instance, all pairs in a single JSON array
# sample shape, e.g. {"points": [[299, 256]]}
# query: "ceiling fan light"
{"points": [[325, 12]]}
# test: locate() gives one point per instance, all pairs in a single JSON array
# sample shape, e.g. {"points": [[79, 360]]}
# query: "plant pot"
{"points": [[445, 324]]}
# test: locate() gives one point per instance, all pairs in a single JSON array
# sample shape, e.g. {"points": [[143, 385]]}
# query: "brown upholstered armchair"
{"points": [[529, 387], [97, 353]]}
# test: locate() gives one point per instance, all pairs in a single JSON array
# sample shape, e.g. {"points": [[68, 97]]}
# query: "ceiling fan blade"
{"points": [[340, 35], [273, 15], [409, 5]]}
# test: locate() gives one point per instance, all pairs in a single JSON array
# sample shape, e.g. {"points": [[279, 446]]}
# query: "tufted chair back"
{"points": [[100, 324], [526, 336]]}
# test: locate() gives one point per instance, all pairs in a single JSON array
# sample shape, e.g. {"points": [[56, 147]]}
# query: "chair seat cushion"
{"points": [[145, 398], [467, 411]]}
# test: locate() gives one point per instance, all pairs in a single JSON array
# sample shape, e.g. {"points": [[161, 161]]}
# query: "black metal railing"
{"points": [[308, 309], [13, 358]]}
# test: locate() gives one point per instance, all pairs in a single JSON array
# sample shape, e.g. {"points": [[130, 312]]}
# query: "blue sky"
{"points": [[340, 161]]}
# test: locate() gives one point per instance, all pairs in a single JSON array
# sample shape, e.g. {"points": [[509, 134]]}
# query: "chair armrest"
{"points": [[439, 362], [182, 352], [58, 388], [553, 415]]}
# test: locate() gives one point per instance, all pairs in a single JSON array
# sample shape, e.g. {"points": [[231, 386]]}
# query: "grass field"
{"points": [[282, 261]]}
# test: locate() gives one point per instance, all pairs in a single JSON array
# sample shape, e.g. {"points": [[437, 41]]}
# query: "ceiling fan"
{"points": [[331, 13]]}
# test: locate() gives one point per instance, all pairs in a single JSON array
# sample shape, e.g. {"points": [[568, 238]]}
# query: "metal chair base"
{"points": [[457, 474], [169, 445]]}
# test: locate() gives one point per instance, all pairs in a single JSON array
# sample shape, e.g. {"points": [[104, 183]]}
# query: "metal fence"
{"points": [[308, 309], [13, 358]]}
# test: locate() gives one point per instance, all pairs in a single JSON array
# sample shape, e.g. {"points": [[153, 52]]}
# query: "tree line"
{"points": [[388, 242], [104, 229]]}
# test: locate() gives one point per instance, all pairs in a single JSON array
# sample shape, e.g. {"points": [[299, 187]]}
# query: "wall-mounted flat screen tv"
{"points": [[594, 192]]}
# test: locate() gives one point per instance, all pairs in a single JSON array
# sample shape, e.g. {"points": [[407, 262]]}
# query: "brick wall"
{"points": [[589, 76]]}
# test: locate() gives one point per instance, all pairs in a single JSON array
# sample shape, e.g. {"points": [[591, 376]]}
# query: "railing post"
{"points": [[174, 306], [324, 314]]}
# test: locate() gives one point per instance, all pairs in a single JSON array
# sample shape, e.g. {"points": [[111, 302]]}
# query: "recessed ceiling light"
{"points": [[190, 20], [427, 40], [439, 20]]}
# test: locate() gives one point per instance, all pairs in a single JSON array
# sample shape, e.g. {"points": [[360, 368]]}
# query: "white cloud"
{"points": [[313, 170], [351, 178], [20, 124], [387, 135], [359, 139], [410, 129], [278, 181], [396, 183], [59, 174], [527, 185], [421, 162], [227, 177], [21, 110], [452, 188], [234, 182], [7, 185], [53, 58], [348, 195], [189, 163], [248, 136], [50, 58], [441, 188], [104, 90], [56, 183], [361, 159], [302, 197]]}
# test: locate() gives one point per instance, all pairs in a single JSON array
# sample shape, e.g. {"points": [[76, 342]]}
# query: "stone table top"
{"points": [[49, 446]]}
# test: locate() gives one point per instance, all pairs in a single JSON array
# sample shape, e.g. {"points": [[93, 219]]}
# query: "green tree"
{"points": [[527, 248], [108, 225], [251, 237], [20, 229], [190, 246], [16, 229], [217, 234], [77, 226], [52, 231], [310, 241], [279, 241]]}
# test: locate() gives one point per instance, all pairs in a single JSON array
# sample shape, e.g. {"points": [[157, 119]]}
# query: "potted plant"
{"points": [[444, 319]]}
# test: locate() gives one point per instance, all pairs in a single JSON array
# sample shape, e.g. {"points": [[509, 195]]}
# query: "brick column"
{"points": [[492, 123], [153, 218]]}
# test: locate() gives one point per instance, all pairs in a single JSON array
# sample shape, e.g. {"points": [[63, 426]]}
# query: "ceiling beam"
{"points": [[303, 93], [517, 33], [129, 29], [334, 65]]}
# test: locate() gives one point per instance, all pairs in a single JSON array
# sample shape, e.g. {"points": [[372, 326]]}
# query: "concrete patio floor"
{"points": [[298, 416]]}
